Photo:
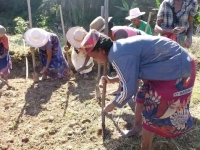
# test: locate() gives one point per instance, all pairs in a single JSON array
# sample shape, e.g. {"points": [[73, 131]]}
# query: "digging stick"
{"points": [[64, 37], [25, 59], [4, 81], [34, 74], [99, 65], [148, 21], [104, 73]]}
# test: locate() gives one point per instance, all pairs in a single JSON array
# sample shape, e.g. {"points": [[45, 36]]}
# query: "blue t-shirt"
{"points": [[147, 57]]}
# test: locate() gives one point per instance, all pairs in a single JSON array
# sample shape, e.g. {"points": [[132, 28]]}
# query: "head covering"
{"points": [[90, 41], [134, 13], [2, 31], [75, 36], [99, 23], [36, 37]]}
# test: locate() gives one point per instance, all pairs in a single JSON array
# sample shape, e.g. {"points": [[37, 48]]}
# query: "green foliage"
{"points": [[157, 3], [124, 11], [20, 25]]}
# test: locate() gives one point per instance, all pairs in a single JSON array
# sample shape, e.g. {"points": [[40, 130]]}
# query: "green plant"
{"points": [[126, 6], [21, 25]]}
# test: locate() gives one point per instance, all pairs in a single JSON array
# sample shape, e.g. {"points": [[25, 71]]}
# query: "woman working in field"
{"points": [[115, 33], [168, 73], [81, 62], [51, 56], [5, 61]]}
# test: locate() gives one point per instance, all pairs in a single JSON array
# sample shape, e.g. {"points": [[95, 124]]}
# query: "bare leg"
{"points": [[138, 122], [5, 77], [147, 138]]}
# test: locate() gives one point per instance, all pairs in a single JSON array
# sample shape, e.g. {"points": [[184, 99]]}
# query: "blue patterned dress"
{"points": [[58, 67], [5, 63]]}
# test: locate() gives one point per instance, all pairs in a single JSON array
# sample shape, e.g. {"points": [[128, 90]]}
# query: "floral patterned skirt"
{"points": [[5, 64], [166, 105], [58, 67]]}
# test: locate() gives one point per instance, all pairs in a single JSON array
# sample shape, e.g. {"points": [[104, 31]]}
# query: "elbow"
{"points": [[156, 29]]}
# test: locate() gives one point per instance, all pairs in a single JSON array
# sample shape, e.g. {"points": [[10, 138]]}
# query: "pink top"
{"points": [[4, 41], [129, 30]]}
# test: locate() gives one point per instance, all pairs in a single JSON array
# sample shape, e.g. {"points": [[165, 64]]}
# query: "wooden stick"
{"points": [[104, 73], [26, 59], [148, 21], [29, 14], [35, 76], [99, 65], [64, 37]]}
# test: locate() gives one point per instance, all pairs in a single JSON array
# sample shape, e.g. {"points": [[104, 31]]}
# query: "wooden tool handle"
{"points": [[64, 37], [33, 59], [148, 21], [29, 14]]}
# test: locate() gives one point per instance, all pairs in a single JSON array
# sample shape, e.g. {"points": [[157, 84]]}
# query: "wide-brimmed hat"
{"points": [[90, 41], [75, 36], [36, 37], [99, 23], [2, 31], [134, 13]]}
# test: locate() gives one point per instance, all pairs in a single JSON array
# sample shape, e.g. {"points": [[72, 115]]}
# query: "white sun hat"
{"points": [[36, 37], [134, 13], [75, 36]]}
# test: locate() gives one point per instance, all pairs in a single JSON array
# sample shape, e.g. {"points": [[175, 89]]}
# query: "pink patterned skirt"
{"points": [[166, 105]]}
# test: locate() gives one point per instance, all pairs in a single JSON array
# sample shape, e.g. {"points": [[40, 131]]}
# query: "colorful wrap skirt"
{"points": [[58, 67], [166, 105], [5, 63]]}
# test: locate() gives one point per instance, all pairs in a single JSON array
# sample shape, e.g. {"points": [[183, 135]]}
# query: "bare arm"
{"points": [[190, 29], [188, 42], [49, 57], [158, 28]]}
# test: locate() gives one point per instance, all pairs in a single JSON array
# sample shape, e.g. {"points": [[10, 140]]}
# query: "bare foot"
{"points": [[129, 133], [43, 77]]}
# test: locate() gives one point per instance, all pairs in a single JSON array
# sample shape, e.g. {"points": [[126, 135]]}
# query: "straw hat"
{"points": [[99, 23], [134, 13], [2, 31], [75, 36], [36, 37]]}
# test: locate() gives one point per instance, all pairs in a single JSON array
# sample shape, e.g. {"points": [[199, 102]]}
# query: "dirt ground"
{"points": [[65, 115]]}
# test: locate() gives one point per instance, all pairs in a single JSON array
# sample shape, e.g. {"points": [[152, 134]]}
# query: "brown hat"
{"points": [[2, 31], [99, 23]]}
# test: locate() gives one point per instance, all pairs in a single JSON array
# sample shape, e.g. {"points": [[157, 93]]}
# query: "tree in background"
{"points": [[46, 14]]}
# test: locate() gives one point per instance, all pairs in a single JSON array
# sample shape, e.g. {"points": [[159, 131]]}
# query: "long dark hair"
{"points": [[104, 43]]}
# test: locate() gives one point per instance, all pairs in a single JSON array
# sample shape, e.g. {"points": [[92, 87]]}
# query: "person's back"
{"points": [[120, 32], [152, 52]]}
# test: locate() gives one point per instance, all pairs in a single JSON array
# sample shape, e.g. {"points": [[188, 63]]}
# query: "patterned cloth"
{"points": [[90, 41], [166, 105], [5, 63], [129, 30], [58, 67], [78, 59], [189, 8]]}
